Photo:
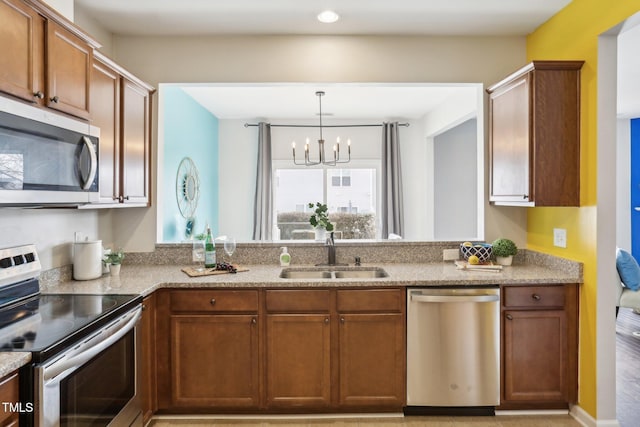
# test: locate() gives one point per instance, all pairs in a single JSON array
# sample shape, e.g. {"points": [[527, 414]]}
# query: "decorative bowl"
{"points": [[481, 250]]}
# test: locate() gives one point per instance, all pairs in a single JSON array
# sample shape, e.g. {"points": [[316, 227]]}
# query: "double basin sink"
{"points": [[327, 273]]}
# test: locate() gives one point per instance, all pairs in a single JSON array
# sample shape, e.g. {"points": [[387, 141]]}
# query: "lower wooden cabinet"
{"points": [[540, 346], [9, 393], [298, 361], [280, 350]]}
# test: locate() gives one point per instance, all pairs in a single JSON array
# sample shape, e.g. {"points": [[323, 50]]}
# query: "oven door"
{"points": [[93, 383]]}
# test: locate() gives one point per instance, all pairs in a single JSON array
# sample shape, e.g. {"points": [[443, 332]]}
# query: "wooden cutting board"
{"points": [[464, 265], [201, 271]]}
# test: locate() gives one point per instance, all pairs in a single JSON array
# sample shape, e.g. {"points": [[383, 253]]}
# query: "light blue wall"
{"points": [[189, 131]]}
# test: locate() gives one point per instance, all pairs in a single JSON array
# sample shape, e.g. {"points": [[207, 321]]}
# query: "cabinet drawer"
{"points": [[215, 301], [534, 296], [298, 301], [388, 300]]}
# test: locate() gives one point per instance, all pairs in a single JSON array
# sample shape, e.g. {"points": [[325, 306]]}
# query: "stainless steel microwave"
{"points": [[46, 159]]}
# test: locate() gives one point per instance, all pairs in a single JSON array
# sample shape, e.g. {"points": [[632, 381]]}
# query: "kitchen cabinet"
{"points": [[9, 393], [48, 63], [371, 339], [213, 352], [281, 350], [123, 116], [539, 346], [298, 348], [534, 136], [147, 364]]}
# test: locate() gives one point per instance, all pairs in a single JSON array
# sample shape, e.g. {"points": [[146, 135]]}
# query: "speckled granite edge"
{"points": [[10, 361], [56, 275]]}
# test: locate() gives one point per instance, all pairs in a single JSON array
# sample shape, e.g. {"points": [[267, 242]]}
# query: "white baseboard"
{"points": [[584, 418]]}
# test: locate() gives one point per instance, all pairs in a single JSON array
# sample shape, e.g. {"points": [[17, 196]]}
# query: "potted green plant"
{"points": [[114, 260], [504, 250], [320, 220]]}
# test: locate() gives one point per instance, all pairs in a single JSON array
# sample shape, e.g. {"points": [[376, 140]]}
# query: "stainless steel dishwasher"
{"points": [[453, 350]]}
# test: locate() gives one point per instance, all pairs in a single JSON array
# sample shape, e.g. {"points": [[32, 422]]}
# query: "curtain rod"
{"points": [[325, 126]]}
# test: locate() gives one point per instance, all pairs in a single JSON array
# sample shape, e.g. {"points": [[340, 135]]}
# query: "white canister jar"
{"points": [[87, 259]]}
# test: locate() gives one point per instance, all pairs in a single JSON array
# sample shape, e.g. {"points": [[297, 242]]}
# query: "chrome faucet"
{"points": [[331, 249]]}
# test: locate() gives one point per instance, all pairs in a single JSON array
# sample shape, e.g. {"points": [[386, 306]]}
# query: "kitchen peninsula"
{"points": [[251, 313]]}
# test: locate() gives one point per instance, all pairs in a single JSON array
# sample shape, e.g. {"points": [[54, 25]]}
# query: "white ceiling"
{"points": [[399, 17], [432, 17], [341, 101]]}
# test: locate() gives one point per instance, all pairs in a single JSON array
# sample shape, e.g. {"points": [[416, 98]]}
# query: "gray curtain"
{"points": [[392, 211], [263, 210]]}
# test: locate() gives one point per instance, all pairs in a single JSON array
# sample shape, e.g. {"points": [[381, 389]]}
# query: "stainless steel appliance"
{"points": [[46, 158], [83, 368], [453, 350]]}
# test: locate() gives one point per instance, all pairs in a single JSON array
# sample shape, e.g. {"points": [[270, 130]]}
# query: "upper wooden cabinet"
{"points": [[22, 41], [534, 136], [45, 63], [121, 109]]}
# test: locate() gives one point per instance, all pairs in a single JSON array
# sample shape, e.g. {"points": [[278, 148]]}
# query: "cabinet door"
{"points": [[22, 41], [147, 362], [509, 131], [135, 143], [69, 62], [105, 114], [372, 360], [298, 360], [214, 361], [535, 356]]}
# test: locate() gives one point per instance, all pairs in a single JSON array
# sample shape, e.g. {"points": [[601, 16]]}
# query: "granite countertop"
{"points": [[144, 279]]}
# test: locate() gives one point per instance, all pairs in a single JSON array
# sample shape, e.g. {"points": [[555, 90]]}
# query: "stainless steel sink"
{"points": [[361, 274], [305, 274]]}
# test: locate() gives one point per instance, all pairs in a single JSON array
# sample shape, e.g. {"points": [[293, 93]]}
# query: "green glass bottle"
{"points": [[209, 251]]}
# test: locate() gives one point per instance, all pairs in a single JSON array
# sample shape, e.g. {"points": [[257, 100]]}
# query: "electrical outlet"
{"points": [[560, 237], [450, 254]]}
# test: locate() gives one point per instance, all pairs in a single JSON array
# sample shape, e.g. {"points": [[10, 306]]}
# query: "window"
{"points": [[350, 194]]}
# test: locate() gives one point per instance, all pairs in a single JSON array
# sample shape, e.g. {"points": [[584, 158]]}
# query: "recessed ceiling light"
{"points": [[328, 17]]}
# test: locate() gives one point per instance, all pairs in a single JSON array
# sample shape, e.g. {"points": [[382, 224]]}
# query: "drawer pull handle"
{"points": [[213, 301], [254, 320], [535, 297], [509, 317]]}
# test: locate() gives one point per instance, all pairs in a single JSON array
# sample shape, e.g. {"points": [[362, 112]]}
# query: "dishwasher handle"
{"points": [[455, 298]]}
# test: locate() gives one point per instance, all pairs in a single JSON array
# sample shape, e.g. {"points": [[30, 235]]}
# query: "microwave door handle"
{"points": [[55, 371], [93, 168]]}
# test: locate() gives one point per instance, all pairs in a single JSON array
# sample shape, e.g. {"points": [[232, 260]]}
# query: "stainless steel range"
{"points": [[84, 369]]}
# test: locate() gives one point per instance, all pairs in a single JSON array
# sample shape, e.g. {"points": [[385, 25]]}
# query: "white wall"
{"points": [[64, 7], [623, 185]]}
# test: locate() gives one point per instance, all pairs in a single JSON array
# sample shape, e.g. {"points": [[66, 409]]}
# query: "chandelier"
{"points": [[321, 154]]}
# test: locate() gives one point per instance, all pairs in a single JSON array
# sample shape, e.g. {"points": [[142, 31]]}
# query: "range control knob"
{"points": [[5, 263]]}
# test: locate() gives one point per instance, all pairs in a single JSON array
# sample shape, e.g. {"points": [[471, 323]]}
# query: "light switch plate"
{"points": [[450, 254], [560, 237]]}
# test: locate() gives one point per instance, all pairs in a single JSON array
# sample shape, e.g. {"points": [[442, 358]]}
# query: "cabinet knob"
{"points": [[213, 301], [254, 320], [126, 197], [38, 94], [525, 196], [144, 307], [326, 320], [55, 99], [535, 297], [509, 317], [342, 320]]}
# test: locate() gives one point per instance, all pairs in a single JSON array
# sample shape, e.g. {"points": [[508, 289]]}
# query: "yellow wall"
{"points": [[573, 34]]}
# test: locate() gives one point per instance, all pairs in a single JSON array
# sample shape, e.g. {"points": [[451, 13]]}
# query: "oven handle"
{"points": [[89, 348]]}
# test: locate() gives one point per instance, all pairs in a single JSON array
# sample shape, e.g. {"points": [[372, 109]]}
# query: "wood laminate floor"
{"points": [[412, 421], [628, 368], [627, 384]]}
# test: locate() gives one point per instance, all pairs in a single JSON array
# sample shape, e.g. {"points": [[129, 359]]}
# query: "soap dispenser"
{"points": [[285, 258]]}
